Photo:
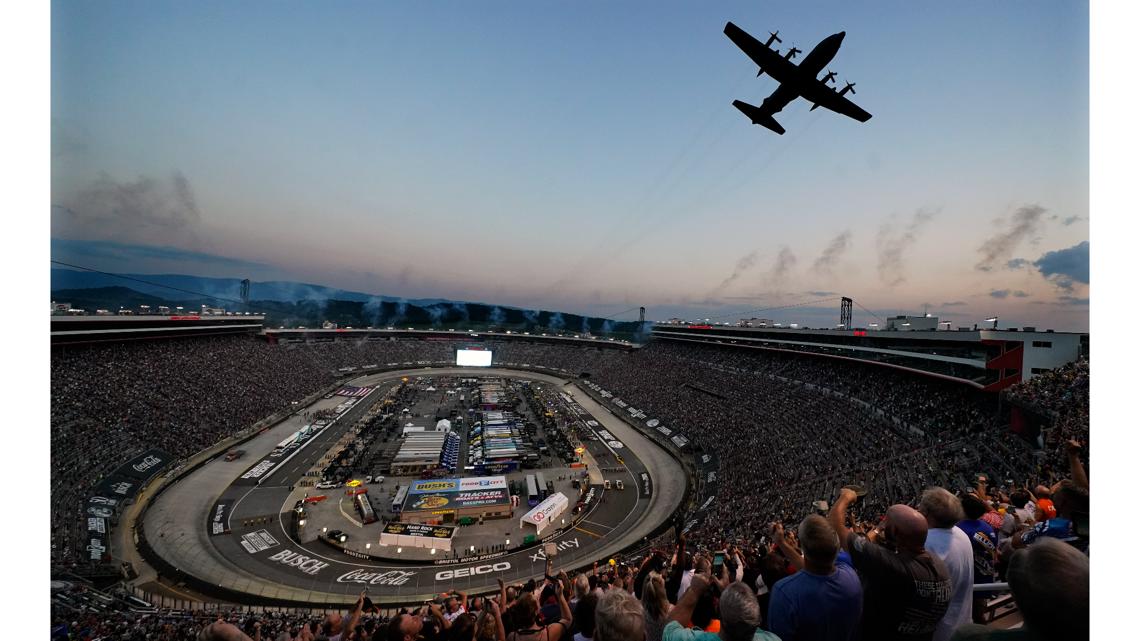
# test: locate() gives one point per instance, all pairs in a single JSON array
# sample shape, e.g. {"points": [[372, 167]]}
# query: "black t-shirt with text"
{"points": [[904, 595]]}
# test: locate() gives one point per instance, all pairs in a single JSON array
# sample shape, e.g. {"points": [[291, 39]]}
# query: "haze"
{"points": [[583, 157]]}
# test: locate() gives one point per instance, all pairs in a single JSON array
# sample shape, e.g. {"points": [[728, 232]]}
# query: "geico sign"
{"points": [[306, 564], [447, 575]]}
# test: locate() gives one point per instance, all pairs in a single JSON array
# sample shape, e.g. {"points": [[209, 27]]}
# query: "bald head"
{"points": [[906, 526]]}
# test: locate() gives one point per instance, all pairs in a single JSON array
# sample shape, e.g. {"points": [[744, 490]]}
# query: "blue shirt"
{"points": [[984, 541], [1057, 528], [810, 606]]}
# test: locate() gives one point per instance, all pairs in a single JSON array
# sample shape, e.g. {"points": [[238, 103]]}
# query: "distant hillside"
{"points": [[284, 291], [355, 313]]}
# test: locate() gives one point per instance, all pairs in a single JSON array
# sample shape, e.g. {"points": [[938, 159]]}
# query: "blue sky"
{"points": [[582, 157]]}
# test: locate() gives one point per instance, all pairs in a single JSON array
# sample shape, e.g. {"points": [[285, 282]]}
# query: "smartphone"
{"points": [[718, 563]]}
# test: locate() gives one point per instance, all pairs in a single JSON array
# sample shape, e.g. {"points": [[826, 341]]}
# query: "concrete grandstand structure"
{"points": [[664, 412], [988, 359]]}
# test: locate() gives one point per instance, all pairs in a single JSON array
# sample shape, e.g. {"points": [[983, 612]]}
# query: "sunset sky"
{"points": [[584, 157]]}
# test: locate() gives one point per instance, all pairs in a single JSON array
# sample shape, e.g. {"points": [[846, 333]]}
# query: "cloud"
{"points": [[893, 243], [102, 250], [832, 253], [744, 264], [957, 303], [785, 261], [1073, 300], [1026, 223], [819, 294], [1072, 219], [1063, 267], [149, 211], [1017, 263], [1003, 293]]}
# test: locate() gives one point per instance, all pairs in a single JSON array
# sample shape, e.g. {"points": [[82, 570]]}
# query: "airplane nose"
{"points": [[842, 34]]}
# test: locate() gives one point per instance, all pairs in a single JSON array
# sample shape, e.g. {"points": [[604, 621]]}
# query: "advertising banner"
{"points": [[455, 500], [433, 486], [220, 517], [117, 487], [254, 474], [483, 483], [145, 465], [415, 529]]}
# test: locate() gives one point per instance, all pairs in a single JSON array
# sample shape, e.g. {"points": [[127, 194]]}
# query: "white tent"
{"points": [[546, 512]]}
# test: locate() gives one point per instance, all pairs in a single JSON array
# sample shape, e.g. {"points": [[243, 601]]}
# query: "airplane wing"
{"points": [[771, 62], [824, 96]]}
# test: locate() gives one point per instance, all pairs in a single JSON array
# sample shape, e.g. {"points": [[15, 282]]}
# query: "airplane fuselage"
{"points": [[807, 71], [822, 54]]}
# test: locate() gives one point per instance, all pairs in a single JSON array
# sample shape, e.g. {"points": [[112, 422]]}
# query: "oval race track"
{"points": [[177, 523]]}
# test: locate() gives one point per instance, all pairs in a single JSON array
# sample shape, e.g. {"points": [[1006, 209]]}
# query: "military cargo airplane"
{"points": [[796, 81]]}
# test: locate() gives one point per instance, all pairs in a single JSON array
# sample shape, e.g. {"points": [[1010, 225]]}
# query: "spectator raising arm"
{"points": [[790, 553], [1076, 468], [838, 516], [682, 613]]}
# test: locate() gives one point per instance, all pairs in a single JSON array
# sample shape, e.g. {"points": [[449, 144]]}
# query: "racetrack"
{"points": [[313, 572]]}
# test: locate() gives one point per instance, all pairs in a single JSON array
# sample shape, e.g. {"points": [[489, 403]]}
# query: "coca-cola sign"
{"points": [[364, 577]]}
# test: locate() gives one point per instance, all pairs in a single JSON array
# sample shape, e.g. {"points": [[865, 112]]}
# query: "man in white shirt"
{"points": [[701, 564], [455, 607], [943, 511]]}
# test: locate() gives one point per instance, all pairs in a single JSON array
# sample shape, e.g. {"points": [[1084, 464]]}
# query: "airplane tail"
{"points": [[758, 116]]}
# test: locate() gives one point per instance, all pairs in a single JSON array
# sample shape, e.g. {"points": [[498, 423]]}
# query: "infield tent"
{"points": [[544, 513]]}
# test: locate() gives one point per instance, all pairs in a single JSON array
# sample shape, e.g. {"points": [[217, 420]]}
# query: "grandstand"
{"points": [[767, 432]]}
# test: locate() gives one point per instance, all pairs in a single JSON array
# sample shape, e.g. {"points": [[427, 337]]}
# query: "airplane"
{"points": [[772, 35], [796, 81]]}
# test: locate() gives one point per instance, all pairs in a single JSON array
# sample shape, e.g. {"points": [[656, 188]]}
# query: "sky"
{"points": [[583, 157]]}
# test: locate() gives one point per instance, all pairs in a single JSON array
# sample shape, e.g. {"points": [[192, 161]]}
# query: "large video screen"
{"points": [[473, 357]]}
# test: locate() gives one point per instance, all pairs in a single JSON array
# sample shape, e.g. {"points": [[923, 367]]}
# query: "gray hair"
{"points": [[818, 539], [619, 617], [581, 585], [739, 613], [941, 508], [1050, 583]]}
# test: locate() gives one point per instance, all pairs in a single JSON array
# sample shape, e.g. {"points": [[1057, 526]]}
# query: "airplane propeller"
{"points": [[830, 77], [793, 52], [774, 36], [850, 87]]}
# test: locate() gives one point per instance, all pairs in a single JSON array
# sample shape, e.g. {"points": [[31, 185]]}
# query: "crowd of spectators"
{"points": [[908, 575], [1063, 395], [789, 431], [112, 402]]}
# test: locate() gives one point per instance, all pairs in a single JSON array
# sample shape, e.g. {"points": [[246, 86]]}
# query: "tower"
{"points": [[245, 294], [845, 312], [641, 316]]}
